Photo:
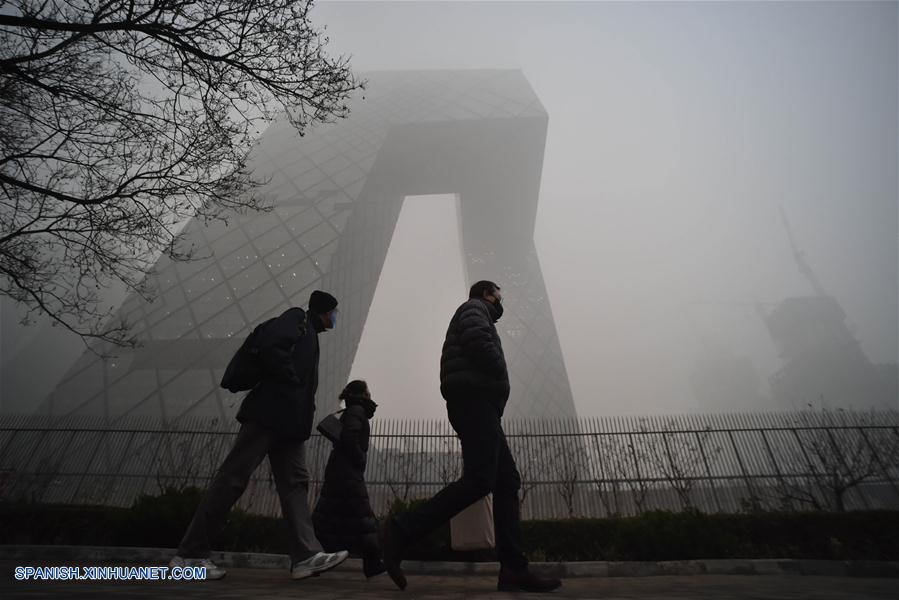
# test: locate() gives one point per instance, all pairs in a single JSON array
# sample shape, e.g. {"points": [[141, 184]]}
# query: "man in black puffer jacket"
{"points": [[474, 382], [472, 360]]}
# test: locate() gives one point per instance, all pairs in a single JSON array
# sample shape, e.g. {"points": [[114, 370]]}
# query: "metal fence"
{"points": [[577, 468]]}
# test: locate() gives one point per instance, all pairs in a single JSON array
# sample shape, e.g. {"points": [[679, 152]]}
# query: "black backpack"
{"points": [[244, 370]]}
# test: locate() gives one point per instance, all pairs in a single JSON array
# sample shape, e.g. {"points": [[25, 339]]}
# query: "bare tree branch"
{"points": [[124, 118]]}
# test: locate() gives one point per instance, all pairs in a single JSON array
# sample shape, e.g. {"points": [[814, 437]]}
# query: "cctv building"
{"points": [[337, 193]]}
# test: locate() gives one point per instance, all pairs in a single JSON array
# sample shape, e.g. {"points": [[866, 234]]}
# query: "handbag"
{"points": [[472, 529], [331, 427]]}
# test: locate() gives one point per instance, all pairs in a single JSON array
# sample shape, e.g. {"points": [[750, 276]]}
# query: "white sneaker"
{"points": [[213, 571], [316, 564]]}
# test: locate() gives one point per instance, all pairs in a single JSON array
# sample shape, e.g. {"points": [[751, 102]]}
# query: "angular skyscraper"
{"points": [[337, 194]]}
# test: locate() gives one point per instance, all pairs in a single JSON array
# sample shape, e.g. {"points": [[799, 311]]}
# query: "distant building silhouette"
{"points": [[337, 193], [824, 364]]}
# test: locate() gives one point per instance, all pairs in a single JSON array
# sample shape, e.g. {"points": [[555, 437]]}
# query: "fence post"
{"points": [[749, 488], [708, 472], [883, 468], [808, 461]]}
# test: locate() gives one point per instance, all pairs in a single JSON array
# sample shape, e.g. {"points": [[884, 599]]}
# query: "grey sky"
{"points": [[399, 354], [675, 132]]}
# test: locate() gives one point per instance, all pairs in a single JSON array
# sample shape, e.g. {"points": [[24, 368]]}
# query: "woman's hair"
{"points": [[357, 387]]}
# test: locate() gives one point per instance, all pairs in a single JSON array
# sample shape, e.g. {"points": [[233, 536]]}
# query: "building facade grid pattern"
{"points": [[334, 204]]}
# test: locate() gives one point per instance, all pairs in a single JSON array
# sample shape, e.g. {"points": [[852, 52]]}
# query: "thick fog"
{"points": [[676, 131], [677, 134]]}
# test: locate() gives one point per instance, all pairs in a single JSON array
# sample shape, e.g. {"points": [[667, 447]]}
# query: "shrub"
{"points": [[160, 521]]}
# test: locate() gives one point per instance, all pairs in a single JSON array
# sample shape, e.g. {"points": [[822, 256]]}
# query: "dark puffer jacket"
{"points": [[343, 514], [472, 358], [284, 401]]}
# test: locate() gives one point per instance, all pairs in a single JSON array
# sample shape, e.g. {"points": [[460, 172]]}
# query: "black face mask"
{"points": [[498, 307]]}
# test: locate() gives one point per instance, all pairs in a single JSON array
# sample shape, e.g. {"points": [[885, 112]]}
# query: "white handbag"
{"points": [[472, 529]]}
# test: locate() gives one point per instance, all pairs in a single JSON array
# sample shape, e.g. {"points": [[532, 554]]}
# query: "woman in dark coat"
{"points": [[343, 517]]}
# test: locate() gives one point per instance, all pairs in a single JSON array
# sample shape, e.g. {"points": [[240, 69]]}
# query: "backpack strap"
{"points": [[304, 324]]}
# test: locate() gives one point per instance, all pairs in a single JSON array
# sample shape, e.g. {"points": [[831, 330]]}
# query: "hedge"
{"points": [[160, 521]]}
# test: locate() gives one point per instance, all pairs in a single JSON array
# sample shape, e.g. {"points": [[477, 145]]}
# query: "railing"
{"points": [[578, 468]]}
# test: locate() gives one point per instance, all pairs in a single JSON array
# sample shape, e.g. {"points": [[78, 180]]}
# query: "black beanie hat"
{"points": [[321, 302]]}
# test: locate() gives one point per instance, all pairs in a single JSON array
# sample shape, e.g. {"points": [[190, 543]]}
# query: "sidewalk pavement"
{"points": [[454, 583]]}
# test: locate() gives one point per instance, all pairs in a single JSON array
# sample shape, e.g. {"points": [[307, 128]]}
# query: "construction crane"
{"points": [[799, 256]]}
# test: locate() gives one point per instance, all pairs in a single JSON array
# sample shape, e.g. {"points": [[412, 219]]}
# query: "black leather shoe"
{"points": [[374, 571], [525, 581], [392, 546]]}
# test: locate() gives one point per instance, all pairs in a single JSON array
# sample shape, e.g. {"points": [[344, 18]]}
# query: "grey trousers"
{"points": [[288, 461]]}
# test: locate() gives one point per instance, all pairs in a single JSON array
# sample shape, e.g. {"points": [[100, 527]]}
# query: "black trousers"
{"points": [[288, 462], [488, 467]]}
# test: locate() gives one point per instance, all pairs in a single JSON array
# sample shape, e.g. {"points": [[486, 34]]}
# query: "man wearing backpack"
{"points": [[276, 420]]}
